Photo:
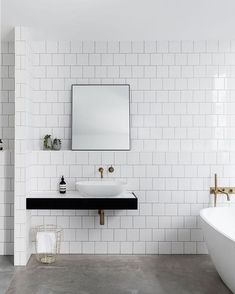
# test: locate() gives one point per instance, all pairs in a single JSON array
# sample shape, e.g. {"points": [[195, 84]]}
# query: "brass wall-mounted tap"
{"points": [[221, 190], [111, 169], [101, 171]]}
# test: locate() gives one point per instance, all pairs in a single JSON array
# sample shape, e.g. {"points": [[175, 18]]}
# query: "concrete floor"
{"points": [[76, 274], [6, 272]]}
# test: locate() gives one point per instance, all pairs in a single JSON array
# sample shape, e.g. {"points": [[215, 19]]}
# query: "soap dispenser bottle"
{"points": [[62, 188]]}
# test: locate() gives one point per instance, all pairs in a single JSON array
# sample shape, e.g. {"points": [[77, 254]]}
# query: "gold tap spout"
{"points": [[223, 192], [101, 171]]}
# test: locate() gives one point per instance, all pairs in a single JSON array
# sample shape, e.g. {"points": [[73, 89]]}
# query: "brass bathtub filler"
{"points": [[221, 190]]}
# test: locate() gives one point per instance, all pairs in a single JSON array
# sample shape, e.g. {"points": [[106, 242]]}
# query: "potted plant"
{"points": [[47, 143]]}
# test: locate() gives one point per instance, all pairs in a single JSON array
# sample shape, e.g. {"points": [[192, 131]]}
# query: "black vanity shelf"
{"points": [[70, 201]]}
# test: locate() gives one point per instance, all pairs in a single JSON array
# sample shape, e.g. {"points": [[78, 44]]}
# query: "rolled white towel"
{"points": [[46, 242]]}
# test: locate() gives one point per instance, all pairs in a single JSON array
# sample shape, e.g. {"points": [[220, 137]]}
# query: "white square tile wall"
{"points": [[6, 203], [6, 157], [7, 94], [23, 145], [182, 131]]}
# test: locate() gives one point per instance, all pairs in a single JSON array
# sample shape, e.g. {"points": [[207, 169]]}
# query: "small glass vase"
{"points": [[56, 144]]}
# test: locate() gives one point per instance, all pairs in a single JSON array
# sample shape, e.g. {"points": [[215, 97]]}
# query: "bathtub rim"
{"points": [[205, 219]]}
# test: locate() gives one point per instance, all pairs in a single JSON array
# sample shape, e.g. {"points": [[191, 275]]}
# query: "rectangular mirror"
{"points": [[100, 117]]}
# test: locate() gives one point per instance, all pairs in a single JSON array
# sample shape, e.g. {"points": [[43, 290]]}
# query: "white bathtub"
{"points": [[218, 226]]}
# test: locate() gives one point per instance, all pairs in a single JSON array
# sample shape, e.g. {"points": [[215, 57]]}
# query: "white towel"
{"points": [[46, 242]]}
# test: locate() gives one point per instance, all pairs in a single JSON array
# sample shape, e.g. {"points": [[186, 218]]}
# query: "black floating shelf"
{"points": [[82, 203]]}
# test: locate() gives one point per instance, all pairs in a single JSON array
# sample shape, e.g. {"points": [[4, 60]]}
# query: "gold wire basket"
{"points": [[48, 257]]}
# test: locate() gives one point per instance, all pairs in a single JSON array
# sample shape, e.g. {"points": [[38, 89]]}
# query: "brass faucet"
{"points": [[101, 171], [224, 192], [111, 169], [220, 190], [101, 214]]}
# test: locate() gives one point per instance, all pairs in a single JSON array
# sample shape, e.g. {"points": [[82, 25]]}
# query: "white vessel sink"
{"points": [[101, 188]]}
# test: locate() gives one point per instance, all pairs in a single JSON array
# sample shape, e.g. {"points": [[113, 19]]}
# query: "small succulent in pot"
{"points": [[47, 142], [56, 144]]}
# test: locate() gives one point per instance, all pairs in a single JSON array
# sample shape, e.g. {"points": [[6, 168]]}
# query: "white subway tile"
{"points": [[101, 247], [101, 46], [88, 47], [94, 235], [107, 235], [113, 247], [88, 247], [64, 46], [174, 46], [119, 59], [125, 47], [126, 248], [58, 59], [76, 47]]}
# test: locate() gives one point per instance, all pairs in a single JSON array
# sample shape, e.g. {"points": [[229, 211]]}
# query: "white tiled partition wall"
{"points": [[182, 131], [6, 156], [23, 144], [7, 95], [6, 203]]}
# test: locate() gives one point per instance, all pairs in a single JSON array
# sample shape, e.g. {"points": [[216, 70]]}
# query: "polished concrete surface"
{"points": [[6, 272], [83, 274]]}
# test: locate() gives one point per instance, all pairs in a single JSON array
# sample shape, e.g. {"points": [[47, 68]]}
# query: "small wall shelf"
{"points": [[74, 200]]}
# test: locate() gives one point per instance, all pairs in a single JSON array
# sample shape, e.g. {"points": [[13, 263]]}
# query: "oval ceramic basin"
{"points": [[101, 188]]}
